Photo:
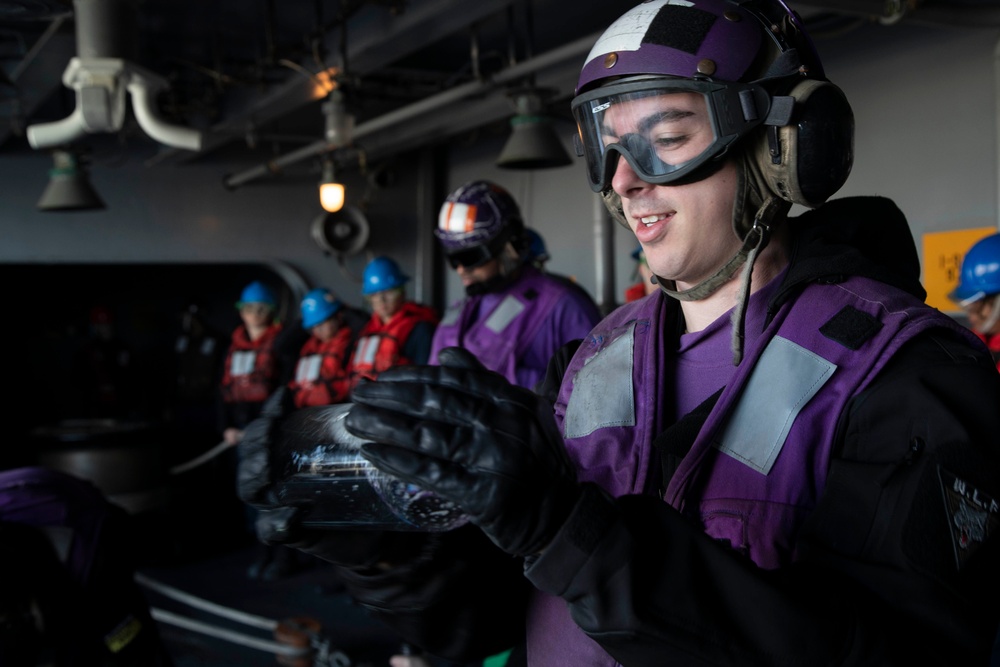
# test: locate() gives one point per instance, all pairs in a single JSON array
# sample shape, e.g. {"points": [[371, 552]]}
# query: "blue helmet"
{"points": [[980, 275], [537, 252], [381, 274], [258, 292], [318, 306]]}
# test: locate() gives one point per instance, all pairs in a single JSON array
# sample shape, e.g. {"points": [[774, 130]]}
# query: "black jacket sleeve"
{"points": [[897, 564]]}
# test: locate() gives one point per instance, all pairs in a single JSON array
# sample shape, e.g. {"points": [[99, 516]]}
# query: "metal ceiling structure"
{"points": [[251, 75]]}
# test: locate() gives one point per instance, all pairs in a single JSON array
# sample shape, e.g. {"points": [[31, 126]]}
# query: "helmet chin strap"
{"points": [[753, 243]]}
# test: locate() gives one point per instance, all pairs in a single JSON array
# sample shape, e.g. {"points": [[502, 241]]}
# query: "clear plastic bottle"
{"points": [[320, 469]]}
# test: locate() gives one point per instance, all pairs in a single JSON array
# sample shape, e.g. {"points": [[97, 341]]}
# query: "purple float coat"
{"points": [[50, 499], [759, 463], [515, 330]]}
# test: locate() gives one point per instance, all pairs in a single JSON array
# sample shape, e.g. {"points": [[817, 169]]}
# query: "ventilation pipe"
{"points": [[103, 74]]}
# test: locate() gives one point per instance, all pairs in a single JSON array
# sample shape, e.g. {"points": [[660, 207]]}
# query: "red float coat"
{"points": [[251, 371], [993, 343], [320, 376], [635, 292], [380, 344]]}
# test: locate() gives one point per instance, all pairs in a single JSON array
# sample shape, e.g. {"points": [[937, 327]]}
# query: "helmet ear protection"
{"points": [[808, 159]]}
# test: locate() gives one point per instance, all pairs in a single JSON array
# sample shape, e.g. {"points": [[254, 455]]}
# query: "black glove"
{"points": [[473, 438], [253, 476]]}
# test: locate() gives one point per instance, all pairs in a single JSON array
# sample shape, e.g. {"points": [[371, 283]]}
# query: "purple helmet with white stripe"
{"points": [[477, 221]]}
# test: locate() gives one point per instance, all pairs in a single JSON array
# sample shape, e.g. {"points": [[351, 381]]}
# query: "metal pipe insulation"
{"points": [[106, 28]]}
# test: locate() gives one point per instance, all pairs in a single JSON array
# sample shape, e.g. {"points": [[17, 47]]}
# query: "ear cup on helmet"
{"points": [[808, 160]]}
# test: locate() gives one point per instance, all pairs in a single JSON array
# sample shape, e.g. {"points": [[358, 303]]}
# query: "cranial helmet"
{"points": [[476, 222], [763, 86], [318, 306], [980, 275], [537, 252], [381, 274], [258, 292]]}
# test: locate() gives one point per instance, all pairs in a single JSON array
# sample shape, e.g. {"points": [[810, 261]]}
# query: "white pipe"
{"points": [[143, 106], [58, 132]]}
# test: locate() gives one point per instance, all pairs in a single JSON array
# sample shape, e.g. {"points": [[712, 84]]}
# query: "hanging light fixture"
{"points": [[337, 133], [331, 193], [533, 143], [69, 187]]}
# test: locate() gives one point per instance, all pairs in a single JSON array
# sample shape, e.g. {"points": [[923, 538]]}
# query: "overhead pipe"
{"points": [[103, 74], [515, 72]]}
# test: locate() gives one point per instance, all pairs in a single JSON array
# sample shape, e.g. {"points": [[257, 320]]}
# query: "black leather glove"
{"points": [[279, 523], [253, 475], [473, 438]]}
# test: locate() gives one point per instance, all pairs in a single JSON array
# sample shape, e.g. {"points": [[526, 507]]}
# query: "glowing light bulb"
{"points": [[331, 196]]}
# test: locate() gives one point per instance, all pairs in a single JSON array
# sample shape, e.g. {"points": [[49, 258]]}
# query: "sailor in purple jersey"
{"points": [[514, 316], [782, 456]]}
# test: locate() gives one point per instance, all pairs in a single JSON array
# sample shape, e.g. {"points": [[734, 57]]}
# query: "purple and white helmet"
{"points": [[741, 57], [476, 222]]}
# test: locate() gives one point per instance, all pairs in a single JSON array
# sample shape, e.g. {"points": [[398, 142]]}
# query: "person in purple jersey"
{"points": [[68, 597], [781, 457], [514, 316]]}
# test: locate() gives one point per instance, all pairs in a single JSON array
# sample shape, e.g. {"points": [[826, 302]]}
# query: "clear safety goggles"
{"points": [[666, 129]]}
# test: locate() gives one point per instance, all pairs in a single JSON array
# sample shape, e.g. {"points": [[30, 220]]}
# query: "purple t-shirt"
{"points": [[705, 358]]}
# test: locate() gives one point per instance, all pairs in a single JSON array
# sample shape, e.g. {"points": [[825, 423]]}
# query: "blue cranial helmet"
{"points": [[980, 274], [318, 306], [257, 292], [382, 273]]}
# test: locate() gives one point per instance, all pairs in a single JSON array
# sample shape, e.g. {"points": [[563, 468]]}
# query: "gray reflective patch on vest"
{"points": [[786, 377], [602, 390], [504, 314], [366, 349], [452, 314]]}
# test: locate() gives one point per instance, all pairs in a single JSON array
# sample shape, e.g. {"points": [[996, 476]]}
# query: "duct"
{"points": [[514, 73], [103, 76]]}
